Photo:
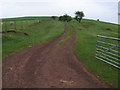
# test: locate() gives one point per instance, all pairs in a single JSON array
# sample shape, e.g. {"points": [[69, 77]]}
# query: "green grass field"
{"points": [[38, 33], [84, 46]]}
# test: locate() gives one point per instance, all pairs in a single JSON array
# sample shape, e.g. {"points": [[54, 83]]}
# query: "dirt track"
{"points": [[48, 65]]}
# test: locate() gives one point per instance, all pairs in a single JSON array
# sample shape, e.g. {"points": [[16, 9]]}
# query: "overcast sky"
{"points": [[105, 10]]}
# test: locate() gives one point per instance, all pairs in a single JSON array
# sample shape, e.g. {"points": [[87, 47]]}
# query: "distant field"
{"points": [[47, 29], [27, 18]]}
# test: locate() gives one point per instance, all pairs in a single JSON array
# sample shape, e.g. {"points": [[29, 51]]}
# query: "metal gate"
{"points": [[107, 50]]}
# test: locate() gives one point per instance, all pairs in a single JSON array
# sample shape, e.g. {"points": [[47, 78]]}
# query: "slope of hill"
{"points": [[37, 33], [84, 46]]}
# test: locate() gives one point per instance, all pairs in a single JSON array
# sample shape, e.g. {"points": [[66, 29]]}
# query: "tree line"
{"points": [[66, 18]]}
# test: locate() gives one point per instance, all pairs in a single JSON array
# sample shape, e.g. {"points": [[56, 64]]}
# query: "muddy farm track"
{"points": [[48, 65]]}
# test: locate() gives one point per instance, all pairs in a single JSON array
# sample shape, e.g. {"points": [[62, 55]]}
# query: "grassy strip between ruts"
{"points": [[67, 35], [85, 49]]}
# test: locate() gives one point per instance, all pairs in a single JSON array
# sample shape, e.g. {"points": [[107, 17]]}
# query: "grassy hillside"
{"points": [[37, 33], [85, 48]]}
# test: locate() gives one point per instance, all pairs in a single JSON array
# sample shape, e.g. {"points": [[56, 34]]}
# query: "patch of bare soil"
{"points": [[13, 31], [109, 29], [48, 65]]}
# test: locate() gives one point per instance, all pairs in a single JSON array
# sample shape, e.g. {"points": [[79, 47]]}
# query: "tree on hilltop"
{"points": [[79, 15]]}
